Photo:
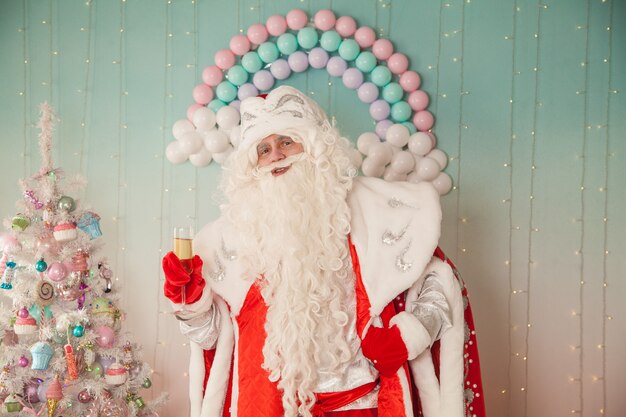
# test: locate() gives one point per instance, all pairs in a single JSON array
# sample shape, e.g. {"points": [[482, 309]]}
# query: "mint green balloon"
{"points": [[237, 75], [410, 126], [307, 37], [392, 93], [251, 62], [268, 52], [215, 104], [226, 91], [349, 49], [330, 40], [381, 75], [366, 61], [287, 43], [400, 111]]}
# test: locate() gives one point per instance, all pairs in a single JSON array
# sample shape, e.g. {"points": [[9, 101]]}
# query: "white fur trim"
{"points": [[196, 378], [414, 334]]}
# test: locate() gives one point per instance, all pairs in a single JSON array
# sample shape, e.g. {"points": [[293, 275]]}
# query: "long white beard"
{"points": [[294, 229]]}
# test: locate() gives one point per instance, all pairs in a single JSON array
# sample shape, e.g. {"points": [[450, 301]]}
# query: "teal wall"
{"points": [[530, 106]]}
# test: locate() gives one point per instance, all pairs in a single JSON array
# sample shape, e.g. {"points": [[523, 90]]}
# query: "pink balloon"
{"points": [[423, 120], [212, 75], [105, 336], [276, 25], [382, 49], [202, 94], [324, 19], [365, 36], [296, 19], [192, 109], [224, 59], [345, 26], [239, 44], [410, 81], [418, 100], [398, 63], [257, 33], [56, 272]]}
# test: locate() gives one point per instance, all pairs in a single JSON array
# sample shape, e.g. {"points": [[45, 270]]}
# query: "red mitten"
{"points": [[385, 348], [177, 278]]}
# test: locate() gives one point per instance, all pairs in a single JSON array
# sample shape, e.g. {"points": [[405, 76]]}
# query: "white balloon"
{"points": [[204, 119], [413, 177], [420, 143], [391, 175], [227, 117], [443, 183], [174, 154], [397, 135], [366, 140], [201, 159], [190, 142], [428, 169], [402, 162], [372, 168], [356, 158], [181, 126], [216, 141], [221, 157], [235, 135], [439, 156], [380, 153]]}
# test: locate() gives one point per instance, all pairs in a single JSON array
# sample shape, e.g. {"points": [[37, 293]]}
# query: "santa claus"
{"points": [[316, 293]]}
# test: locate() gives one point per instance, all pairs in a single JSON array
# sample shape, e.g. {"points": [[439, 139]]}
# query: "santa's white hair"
{"points": [[294, 236]]}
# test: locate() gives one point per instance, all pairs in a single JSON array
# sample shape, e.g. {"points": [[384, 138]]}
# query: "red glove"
{"points": [[177, 278], [385, 348]]}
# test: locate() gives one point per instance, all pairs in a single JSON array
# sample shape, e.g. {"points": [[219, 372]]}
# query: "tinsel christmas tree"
{"points": [[63, 351]]}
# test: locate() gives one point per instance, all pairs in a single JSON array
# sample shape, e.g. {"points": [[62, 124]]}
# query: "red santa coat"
{"points": [[395, 228]]}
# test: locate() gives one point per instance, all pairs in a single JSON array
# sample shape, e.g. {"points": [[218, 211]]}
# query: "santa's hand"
{"points": [[178, 279]]}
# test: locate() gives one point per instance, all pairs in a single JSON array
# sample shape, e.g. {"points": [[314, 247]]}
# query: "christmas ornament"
{"points": [[8, 275], [57, 272], [25, 325], [105, 336], [102, 307], [30, 390], [20, 222], [41, 265], [79, 261], [67, 291], [70, 360], [89, 223], [12, 404], [65, 231], [41, 353], [66, 203], [146, 383], [78, 331], [23, 361], [106, 361], [84, 396], [48, 213], [23, 312], [116, 374], [47, 244], [95, 371], [54, 394], [106, 274], [45, 293], [30, 196], [82, 287], [88, 354]]}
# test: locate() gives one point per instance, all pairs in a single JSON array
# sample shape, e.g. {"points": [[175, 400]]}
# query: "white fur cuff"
{"points": [[197, 308], [414, 334]]}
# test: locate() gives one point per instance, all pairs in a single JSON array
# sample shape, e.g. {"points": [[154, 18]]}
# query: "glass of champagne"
{"points": [[183, 237]]}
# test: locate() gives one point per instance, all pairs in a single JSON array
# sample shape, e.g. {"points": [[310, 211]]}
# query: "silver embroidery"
{"points": [[401, 263], [294, 113], [389, 238], [287, 98], [247, 116], [220, 272], [395, 202], [230, 255]]}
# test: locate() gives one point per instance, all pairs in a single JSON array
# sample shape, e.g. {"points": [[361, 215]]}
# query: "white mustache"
{"points": [[290, 160]]}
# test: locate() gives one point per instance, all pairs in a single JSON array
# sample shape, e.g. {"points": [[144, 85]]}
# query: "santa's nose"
{"points": [[276, 155]]}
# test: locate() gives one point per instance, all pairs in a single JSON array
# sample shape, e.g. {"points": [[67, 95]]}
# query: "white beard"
{"points": [[294, 230]]}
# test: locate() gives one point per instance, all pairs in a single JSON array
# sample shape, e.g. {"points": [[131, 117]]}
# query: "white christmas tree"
{"points": [[63, 349]]}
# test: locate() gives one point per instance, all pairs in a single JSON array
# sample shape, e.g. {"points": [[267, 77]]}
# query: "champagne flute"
{"points": [[183, 237]]}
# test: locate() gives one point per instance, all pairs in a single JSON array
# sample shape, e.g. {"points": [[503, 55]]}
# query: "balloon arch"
{"points": [[402, 147]]}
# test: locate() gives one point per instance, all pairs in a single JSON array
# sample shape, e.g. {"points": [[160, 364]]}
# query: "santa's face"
{"points": [[276, 148]]}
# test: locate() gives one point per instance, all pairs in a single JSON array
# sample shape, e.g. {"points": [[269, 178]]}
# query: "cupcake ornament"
{"points": [[12, 405], [41, 353], [89, 223], [25, 324], [116, 374], [65, 231]]}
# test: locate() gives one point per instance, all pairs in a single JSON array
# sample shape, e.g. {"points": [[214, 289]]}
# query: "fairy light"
{"points": [[86, 90], [24, 93]]}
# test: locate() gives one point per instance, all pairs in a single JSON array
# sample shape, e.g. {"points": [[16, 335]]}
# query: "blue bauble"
{"points": [[41, 265], [78, 331]]}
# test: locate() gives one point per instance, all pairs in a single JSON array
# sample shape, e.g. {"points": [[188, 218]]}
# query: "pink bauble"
{"points": [[382, 49], [296, 19], [224, 59], [56, 272], [239, 44], [47, 244], [257, 33], [192, 109], [365, 36], [418, 100], [324, 19], [345, 26], [105, 336], [410, 81], [398, 63], [23, 313], [276, 25], [423, 120], [202, 94], [212, 75]]}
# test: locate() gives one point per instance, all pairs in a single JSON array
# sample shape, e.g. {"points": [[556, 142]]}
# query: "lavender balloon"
{"points": [[235, 103], [379, 110], [280, 69], [318, 58], [298, 61], [336, 66], [367, 92], [263, 80], [352, 78], [382, 126], [247, 90]]}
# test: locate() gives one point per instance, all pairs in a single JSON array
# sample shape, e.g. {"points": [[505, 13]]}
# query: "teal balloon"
{"points": [[307, 37], [251, 62], [35, 311], [366, 61], [381, 76], [392, 93], [287, 43], [349, 49], [268, 52], [410, 126], [237, 75], [330, 40], [401, 111], [226, 91], [215, 104]]}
